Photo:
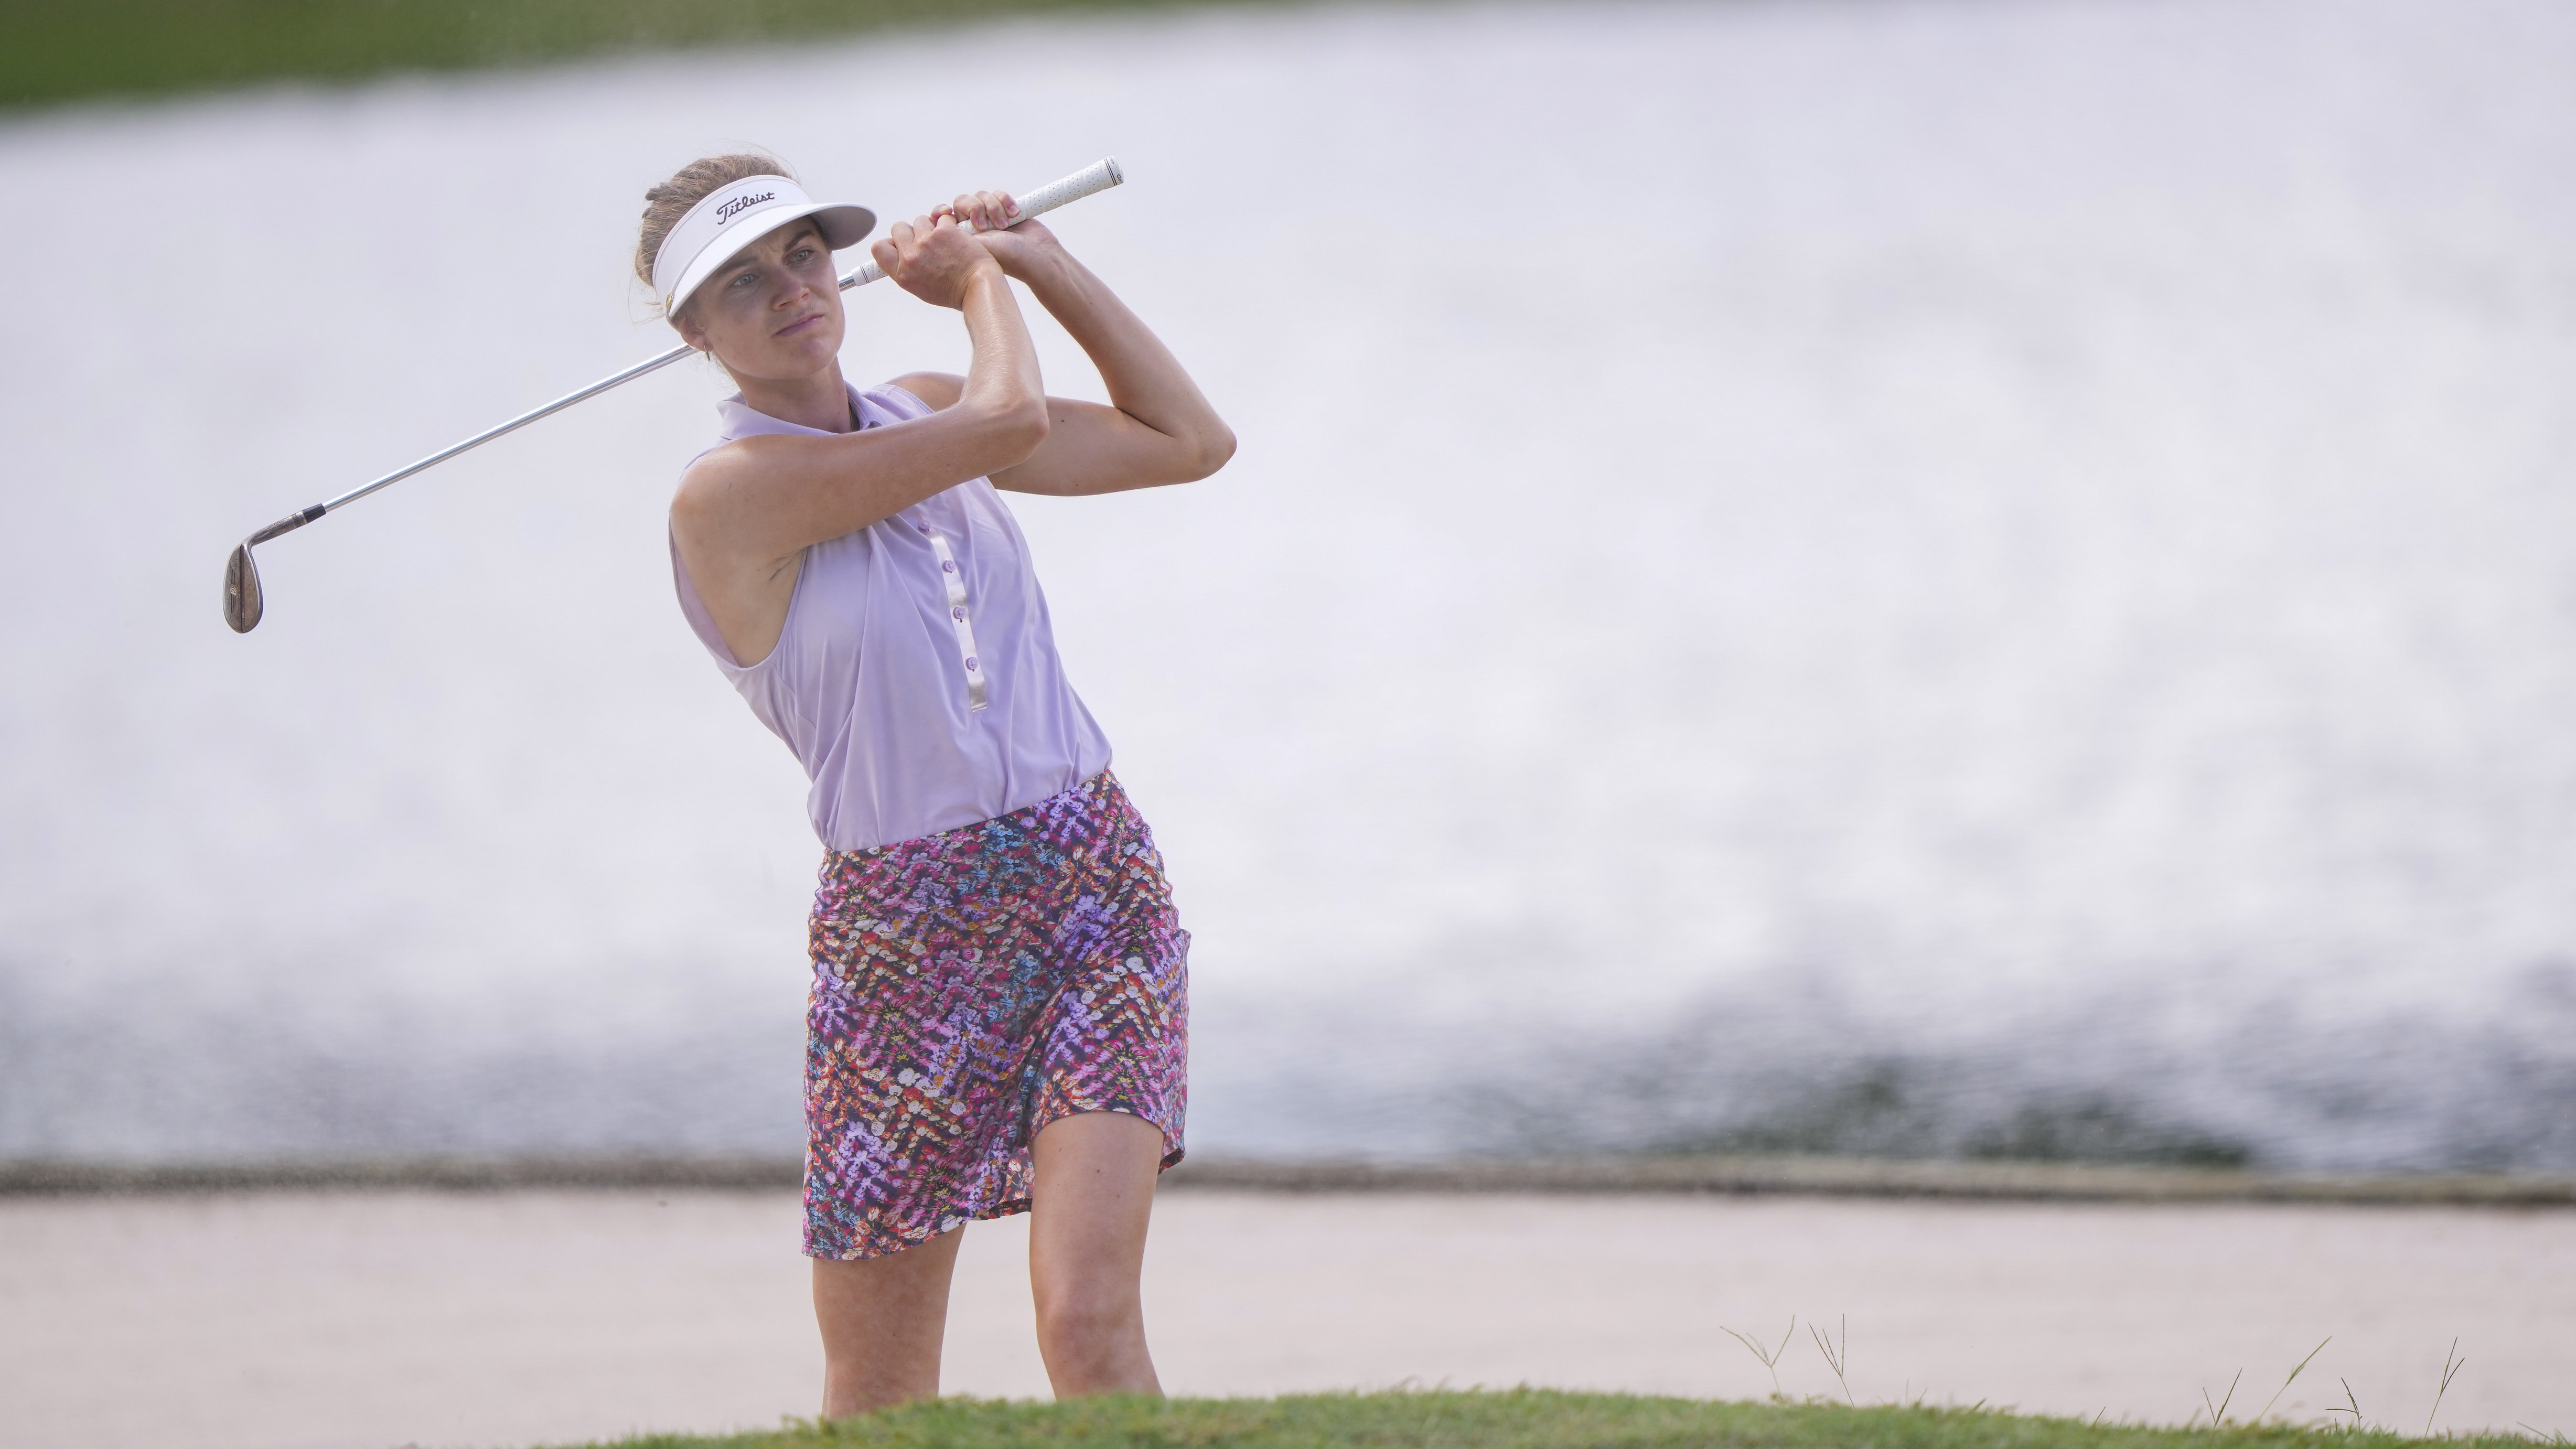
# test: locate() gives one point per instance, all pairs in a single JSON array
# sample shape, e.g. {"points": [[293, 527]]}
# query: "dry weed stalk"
{"points": [[1837, 1358], [2449, 1371], [2218, 1416], [1769, 1359], [2294, 1376]]}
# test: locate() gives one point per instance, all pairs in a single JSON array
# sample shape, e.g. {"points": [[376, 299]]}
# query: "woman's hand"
{"points": [[1025, 246], [932, 258]]}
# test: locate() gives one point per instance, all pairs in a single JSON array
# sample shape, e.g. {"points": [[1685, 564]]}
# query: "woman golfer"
{"points": [[998, 1017]]}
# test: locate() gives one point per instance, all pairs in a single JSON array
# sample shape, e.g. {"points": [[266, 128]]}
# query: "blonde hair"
{"points": [[665, 204]]}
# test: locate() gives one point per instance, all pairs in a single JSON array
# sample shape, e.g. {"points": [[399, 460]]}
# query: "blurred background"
{"points": [[1925, 578]]}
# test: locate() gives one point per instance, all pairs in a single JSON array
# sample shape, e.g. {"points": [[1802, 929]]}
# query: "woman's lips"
{"points": [[799, 325]]}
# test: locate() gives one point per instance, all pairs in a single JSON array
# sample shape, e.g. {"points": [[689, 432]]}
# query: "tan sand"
{"points": [[379, 1319]]}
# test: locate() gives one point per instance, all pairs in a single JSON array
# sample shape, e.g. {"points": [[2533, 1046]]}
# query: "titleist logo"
{"points": [[726, 212]]}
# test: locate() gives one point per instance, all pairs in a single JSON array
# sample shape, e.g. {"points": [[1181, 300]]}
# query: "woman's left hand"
{"points": [[1024, 245]]}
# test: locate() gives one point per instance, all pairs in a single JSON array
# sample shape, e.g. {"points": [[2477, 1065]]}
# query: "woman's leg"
{"points": [[882, 1320], [1094, 1192]]}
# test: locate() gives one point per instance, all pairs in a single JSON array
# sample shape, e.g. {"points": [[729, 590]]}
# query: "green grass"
{"points": [[60, 50], [1520, 1419]]}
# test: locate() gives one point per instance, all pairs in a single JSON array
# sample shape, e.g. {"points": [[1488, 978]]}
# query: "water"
{"points": [[1982, 578]]}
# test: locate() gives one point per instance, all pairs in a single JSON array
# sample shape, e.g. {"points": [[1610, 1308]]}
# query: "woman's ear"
{"points": [[686, 321]]}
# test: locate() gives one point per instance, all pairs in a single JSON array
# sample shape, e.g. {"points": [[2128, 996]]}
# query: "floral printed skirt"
{"points": [[971, 987]]}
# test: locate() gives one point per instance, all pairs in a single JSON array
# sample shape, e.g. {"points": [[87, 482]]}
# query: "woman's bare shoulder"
{"points": [[707, 474], [939, 389]]}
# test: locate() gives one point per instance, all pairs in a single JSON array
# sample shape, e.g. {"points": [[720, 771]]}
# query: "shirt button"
{"points": [[948, 568], [958, 614], [970, 663]]}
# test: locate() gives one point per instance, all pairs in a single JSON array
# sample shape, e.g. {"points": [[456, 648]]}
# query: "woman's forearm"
{"points": [[1144, 379], [1002, 384]]}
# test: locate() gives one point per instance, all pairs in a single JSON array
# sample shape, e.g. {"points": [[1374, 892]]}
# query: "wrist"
{"points": [[1036, 262]]}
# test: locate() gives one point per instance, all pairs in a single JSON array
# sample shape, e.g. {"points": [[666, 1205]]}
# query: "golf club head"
{"points": [[242, 602]]}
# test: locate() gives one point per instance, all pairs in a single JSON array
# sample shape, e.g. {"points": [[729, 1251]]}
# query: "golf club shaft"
{"points": [[1099, 176]]}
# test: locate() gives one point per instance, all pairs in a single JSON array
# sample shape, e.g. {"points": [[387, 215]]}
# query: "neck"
{"points": [[820, 401]]}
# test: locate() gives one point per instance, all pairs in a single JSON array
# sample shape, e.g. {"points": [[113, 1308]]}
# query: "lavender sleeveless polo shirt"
{"points": [[892, 634]]}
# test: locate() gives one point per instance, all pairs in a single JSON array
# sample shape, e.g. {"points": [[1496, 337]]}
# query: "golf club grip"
{"points": [[1100, 175]]}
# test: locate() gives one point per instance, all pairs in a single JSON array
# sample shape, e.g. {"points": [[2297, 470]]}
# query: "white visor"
{"points": [[734, 216]]}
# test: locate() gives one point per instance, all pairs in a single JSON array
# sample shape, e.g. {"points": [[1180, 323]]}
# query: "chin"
{"points": [[814, 352], [794, 366]]}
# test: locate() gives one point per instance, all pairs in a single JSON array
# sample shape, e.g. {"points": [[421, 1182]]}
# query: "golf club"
{"points": [[243, 602]]}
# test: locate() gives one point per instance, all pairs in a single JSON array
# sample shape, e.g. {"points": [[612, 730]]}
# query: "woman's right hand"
{"points": [[933, 259]]}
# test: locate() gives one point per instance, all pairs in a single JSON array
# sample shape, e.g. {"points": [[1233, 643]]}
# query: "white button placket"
{"points": [[955, 578]]}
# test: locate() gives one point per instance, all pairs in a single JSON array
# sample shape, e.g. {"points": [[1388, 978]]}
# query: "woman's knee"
{"points": [[1072, 1316]]}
